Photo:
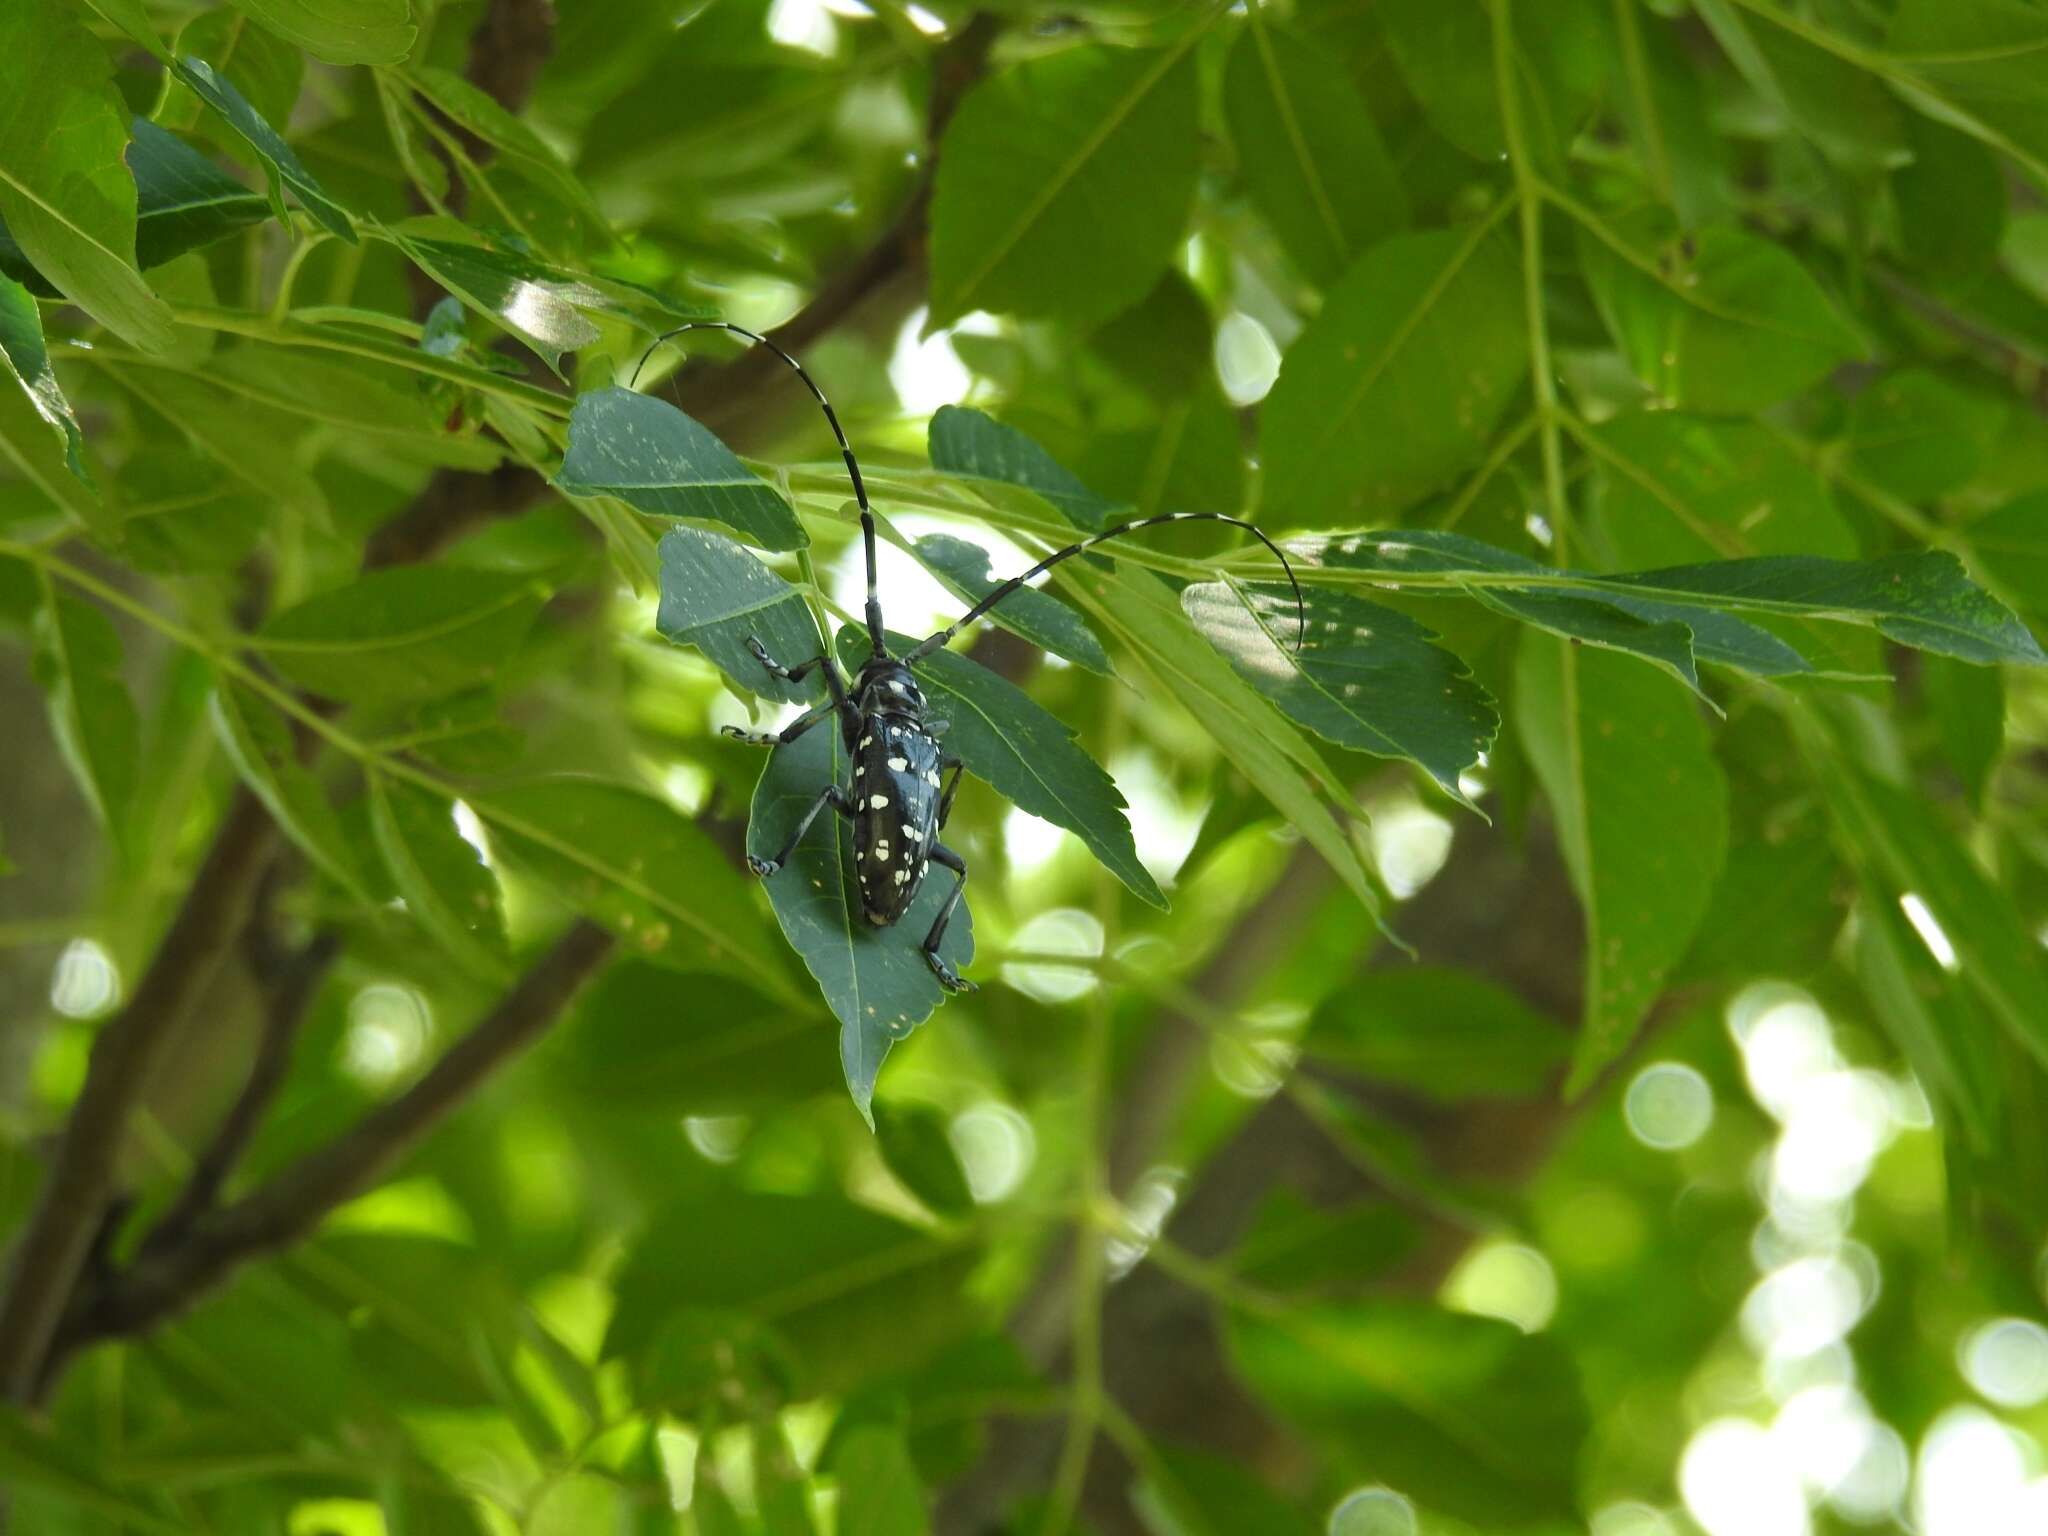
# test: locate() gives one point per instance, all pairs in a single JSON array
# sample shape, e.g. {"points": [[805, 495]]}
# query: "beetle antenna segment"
{"points": [[860, 491], [931, 643]]}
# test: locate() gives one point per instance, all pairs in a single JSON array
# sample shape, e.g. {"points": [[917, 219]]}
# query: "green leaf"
{"points": [[267, 71], [781, 1491], [714, 595], [1466, 1414], [339, 31], [879, 1492], [403, 635], [1444, 1034], [443, 882], [1968, 705], [259, 740], [28, 359], [517, 145], [657, 460], [1674, 489], [1249, 731], [1908, 850], [33, 1458], [668, 1042], [1445, 54], [1366, 676], [1026, 754], [1397, 382], [853, 1292], [913, 1142], [1720, 320], [1979, 63], [78, 665], [962, 441], [251, 441], [1642, 819], [65, 192], [1308, 150], [36, 455], [1950, 201], [706, 1361], [133, 19], [356, 398], [1064, 184], [1776, 909], [281, 167], [1036, 616], [2011, 546], [637, 865], [875, 980], [1937, 1025], [1918, 436], [1194, 1493], [539, 304], [1845, 111]]}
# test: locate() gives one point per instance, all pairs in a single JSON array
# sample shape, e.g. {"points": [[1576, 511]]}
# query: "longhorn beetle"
{"points": [[903, 783]]}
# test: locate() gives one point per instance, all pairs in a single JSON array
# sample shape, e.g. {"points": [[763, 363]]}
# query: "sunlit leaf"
{"points": [[1064, 184], [279, 164], [654, 458], [1642, 819], [966, 442], [716, 596], [27, 358], [1030, 614], [339, 31]]}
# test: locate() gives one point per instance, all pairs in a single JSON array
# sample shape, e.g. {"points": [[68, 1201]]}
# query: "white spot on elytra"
{"points": [[915, 834], [865, 741], [898, 764], [902, 875], [881, 851], [877, 802]]}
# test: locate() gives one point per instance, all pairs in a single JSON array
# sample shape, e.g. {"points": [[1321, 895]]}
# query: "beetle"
{"points": [[903, 782]]}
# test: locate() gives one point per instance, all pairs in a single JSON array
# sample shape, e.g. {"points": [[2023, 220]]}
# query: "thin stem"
{"points": [[1656, 158], [1542, 377], [1503, 450]]}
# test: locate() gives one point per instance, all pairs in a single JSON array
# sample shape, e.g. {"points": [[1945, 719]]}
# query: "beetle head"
{"points": [[885, 687]]}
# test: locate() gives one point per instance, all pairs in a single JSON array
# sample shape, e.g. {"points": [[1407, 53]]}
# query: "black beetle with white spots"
{"points": [[903, 782]]}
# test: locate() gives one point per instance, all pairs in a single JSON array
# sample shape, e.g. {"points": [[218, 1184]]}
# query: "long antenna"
{"points": [[876, 632], [932, 642]]}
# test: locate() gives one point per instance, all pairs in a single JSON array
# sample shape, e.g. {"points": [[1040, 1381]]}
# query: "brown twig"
{"points": [[292, 1204], [54, 1246]]}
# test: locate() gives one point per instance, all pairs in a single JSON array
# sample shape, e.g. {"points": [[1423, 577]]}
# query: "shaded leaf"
{"points": [[405, 634], [913, 1142], [1397, 382], [34, 1459], [1951, 202], [1366, 677], [1445, 52], [441, 878], [715, 596], [1968, 705], [1030, 614], [1442, 1033], [1194, 1493], [1064, 184], [670, 1042], [250, 441], [962, 441], [259, 740], [657, 460], [1309, 151], [875, 980], [879, 1491], [1642, 819], [78, 665], [1776, 909], [41, 477], [518, 145], [281, 166], [1843, 110], [1918, 436], [1719, 320], [1906, 849], [714, 1361], [637, 865], [65, 191], [1466, 1414], [1979, 62], [1027, 755], [339, 31], [854, 1293], [28, 358]]}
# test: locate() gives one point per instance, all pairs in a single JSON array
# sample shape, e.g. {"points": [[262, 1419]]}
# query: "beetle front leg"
{"points": [[835, 685], [949, 978], [831, 795], [788, 733]]}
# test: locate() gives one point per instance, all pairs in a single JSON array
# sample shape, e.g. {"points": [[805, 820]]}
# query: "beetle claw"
{"points": [[762, 867], [949, 978]]}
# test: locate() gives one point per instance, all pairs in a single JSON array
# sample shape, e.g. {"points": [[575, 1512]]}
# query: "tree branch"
{"points": [[291, 1205], [125, 1057]]}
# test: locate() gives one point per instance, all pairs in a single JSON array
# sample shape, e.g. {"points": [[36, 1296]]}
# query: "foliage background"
{"points": [[1685, 1170]]}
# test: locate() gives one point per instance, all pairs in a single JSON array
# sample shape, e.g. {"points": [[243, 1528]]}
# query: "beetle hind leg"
{"points": [[942, 968], [831, 795]]}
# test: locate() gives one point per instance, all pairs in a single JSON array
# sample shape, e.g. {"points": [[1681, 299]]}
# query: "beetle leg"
{"points": [[956, 768], [788, 733], [949, 978], [834, 683], [831, 795]]}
